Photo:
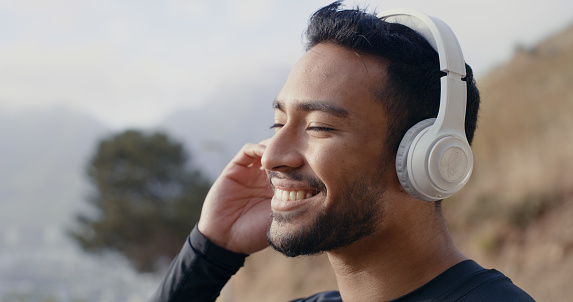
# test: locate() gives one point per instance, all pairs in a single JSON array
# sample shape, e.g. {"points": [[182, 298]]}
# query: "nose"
{"points": [[283, 151]]}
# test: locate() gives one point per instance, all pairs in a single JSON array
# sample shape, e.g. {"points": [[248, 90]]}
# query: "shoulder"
{"points": [[328, 296], [468, 282], [491, 285]]}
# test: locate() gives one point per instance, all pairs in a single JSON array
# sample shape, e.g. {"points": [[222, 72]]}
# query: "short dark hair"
{"points": [[411, 91]]}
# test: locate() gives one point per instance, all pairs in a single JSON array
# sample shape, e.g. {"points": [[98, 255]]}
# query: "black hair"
{"points": [[411, 91]]}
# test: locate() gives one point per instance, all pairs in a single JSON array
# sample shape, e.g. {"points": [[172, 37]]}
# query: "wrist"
{"points": [[203, 229], [215, 254]]}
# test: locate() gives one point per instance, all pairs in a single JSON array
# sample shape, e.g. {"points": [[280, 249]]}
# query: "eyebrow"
{"points": [[315, 106]]}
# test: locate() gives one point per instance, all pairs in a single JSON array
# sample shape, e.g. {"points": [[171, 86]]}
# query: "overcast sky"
{"points": [[131, 62]]}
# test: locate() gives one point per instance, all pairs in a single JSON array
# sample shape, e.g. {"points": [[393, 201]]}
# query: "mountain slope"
{"points": [[515, 215]]}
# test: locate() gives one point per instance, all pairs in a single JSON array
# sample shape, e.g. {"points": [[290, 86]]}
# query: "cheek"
{"points": [[339, 163], [336, 163]]}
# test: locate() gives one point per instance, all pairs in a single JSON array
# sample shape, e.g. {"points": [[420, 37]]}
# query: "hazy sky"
{"points": [[131, 62]]}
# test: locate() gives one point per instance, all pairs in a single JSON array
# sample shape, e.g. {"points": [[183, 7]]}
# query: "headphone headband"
{"points": [[436, 32]]}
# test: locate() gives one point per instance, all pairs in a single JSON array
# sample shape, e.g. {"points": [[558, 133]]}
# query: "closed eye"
{"points": [[311, 128], [315, 128]]}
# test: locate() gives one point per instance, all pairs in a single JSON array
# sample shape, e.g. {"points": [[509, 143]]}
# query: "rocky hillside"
{"points": [[516, 214]]}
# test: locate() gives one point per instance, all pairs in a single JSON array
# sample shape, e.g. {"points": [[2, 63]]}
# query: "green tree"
{"points": [[146, 199]]}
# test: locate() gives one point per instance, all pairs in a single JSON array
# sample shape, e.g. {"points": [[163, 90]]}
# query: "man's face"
{"points": [[326, 161]]}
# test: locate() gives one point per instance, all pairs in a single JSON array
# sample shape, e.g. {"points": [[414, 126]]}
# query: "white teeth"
{"points": [[285, 195], [292, 195]]}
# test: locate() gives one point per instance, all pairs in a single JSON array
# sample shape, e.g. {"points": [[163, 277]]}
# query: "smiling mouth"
{"points": [[292, 195]]}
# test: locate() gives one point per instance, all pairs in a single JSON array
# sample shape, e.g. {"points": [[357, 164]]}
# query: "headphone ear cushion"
{"points": [[402, 155]]}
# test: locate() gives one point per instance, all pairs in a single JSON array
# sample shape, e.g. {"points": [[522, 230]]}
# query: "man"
{"points": [[339, 120]]}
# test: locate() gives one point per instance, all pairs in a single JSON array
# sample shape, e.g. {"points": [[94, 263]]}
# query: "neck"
{"points": [[394, 261]]}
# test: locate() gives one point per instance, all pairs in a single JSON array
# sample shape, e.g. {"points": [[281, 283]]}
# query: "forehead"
{"points": [[328, 73]]}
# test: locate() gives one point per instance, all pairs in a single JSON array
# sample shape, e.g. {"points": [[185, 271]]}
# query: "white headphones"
{"points": [[434, 159]]}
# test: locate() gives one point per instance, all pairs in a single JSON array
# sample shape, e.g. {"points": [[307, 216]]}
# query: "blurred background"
{"points": [[116, 116]]}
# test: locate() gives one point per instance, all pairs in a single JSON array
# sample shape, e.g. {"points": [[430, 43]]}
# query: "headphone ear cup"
{"points": [[402, 155]]}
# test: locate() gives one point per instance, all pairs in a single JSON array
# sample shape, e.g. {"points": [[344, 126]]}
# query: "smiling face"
{"points": [[326, 161]]}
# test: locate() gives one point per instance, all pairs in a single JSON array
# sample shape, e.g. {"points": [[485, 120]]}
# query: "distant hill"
{"points": [[43, 156]]}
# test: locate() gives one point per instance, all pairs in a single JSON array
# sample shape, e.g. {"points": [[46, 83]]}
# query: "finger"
{"points": [[250, 154], [258, 163], [265, 142]]}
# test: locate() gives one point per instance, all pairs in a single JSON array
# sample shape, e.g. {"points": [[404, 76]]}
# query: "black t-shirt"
{"points": [[466, 281], [202, 268]]}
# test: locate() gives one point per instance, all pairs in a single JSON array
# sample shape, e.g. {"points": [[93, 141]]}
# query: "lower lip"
{"points": [[278, 205]]}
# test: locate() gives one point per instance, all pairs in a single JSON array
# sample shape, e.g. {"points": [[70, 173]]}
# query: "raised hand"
{"points": [[236, 212]]}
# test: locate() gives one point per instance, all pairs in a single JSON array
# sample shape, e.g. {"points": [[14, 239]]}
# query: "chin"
{"points": [[312, 230]]}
